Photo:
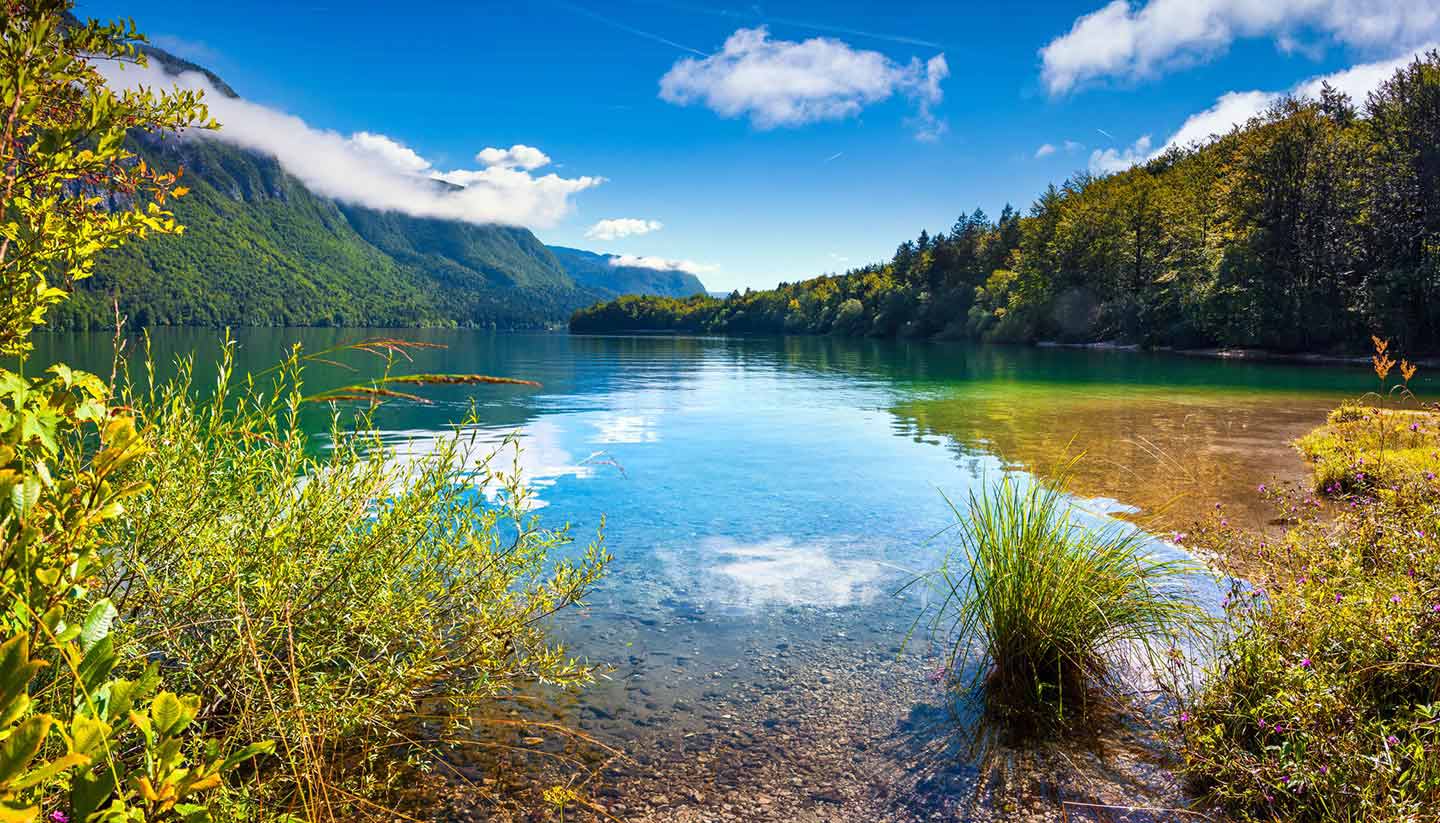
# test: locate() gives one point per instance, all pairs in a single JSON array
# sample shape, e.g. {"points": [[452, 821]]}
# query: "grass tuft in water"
{"points": [[1052, 616]]}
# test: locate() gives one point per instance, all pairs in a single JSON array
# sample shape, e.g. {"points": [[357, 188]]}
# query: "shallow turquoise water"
{"points": [[766, 495]]}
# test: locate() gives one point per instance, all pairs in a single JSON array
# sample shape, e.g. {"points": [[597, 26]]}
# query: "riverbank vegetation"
{"points": [[206, 614], [1313, 696], [1303, 229], [1323, 702], [360, 617], [1051, 614]]}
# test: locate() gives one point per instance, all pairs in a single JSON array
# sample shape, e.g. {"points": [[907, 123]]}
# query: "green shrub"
{"points": [[327, 594], [1365, 447], [1044, 606], [76, 741], [1323, 700]]}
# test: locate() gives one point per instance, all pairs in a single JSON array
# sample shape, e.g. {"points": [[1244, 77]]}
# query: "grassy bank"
{"points": [[1323, 703]]}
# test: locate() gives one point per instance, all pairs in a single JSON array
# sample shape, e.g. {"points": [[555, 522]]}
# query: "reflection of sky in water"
{"points": [[743, 489], [625, 428], [776, 572], [535, 451]]}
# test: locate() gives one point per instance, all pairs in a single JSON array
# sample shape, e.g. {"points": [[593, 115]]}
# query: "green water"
{"points": [[766, 497]]}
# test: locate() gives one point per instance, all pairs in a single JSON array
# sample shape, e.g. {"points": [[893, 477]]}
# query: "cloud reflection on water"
{"points": [[777, 572]]}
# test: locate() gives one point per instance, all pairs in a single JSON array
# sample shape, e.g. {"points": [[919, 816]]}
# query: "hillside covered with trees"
{"points": [[1304, 229], [260, 249]]}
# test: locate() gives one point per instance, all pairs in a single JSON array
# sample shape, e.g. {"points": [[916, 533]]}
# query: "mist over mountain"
{"points": [[263, 248]]}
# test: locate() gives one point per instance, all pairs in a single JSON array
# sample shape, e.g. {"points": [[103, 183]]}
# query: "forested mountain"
{"points": [[260, 249], [1306, 228], [602, 273]]}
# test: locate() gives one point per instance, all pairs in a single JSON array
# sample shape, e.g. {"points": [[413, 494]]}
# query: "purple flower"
{"points": [[1261, 488], [1394, 598], [1414, 427], [1305, 663], [1324, 769], [1184, 717], [1436, 608], [59, 817], [1224, 522], [1392, 740], [1337, 598]]}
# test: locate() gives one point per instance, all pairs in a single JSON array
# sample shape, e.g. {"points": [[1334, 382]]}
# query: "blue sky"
{"points": [[764, 154]]}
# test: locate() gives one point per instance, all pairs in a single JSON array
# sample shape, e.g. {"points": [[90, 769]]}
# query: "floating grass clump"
{"points": [[1049, 614]]}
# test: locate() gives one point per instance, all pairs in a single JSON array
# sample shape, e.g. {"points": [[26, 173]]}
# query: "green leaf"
{"points": [[97, 623], [14, 811], [57, 766], [252, 750], [16, 671], [87, 734], [167, 712], [22, 745], [88, 791], [97, 664]]}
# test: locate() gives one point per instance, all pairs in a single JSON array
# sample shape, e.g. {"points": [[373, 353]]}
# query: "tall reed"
{"points": [[1047, 611]]}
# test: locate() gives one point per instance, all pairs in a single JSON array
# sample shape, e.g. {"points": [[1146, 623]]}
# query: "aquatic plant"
{"points": [[1322, 702], [1051, 614]]}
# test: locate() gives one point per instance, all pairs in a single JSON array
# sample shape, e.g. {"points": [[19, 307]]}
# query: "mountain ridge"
{"points": [[262, 249]]}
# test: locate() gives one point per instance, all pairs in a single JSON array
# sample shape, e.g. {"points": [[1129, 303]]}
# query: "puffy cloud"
{"points": [[618, 227], [661, 264], [784, 83], [1108, 161], [397, 155], [1231, 108], [518, 156], [374, 170], [1044, 151], [1130, 42], [1236, 107]]}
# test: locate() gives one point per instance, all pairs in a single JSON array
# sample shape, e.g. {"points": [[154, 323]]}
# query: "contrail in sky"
{"points": [[1106, 133], [834, 156], [630, 29], [804, 24]]}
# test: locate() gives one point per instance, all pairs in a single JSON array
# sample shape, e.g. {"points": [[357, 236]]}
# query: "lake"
{"points": [[766, 498]]}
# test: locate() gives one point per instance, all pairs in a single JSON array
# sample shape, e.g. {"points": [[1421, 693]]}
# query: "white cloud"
{"points": [[1044, 151], [661, 264], [784, 83], [397, 155], [377, 171], [1131, 42], [1111, 160], [1236, 107], [618, 227], [518, 156], [1230, 109], [1072, 145]]}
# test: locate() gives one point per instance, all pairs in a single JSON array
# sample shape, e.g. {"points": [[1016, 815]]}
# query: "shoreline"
{"points": [[1232, 353]]}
